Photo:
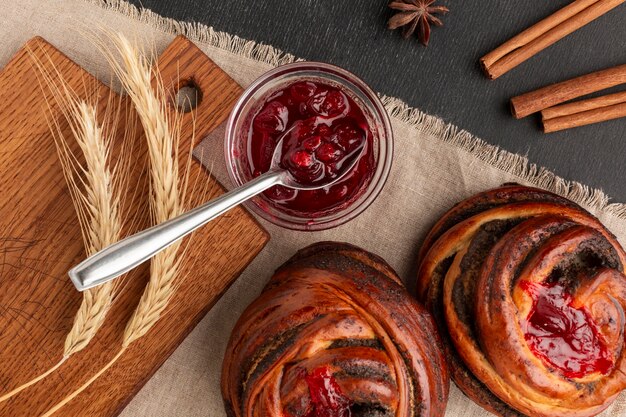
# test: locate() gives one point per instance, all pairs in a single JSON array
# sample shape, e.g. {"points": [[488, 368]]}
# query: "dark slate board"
{"points": [[444, 79]]}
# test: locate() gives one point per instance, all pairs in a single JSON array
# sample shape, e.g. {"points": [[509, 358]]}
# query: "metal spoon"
{"points": [[121, 257]]}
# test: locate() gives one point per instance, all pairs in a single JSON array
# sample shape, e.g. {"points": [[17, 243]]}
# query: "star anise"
{"points": [[416, 14]]}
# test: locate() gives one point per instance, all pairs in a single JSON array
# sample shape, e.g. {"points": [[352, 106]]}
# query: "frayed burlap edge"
{"points": [[511, 163], [516, 165], [198, 32]]}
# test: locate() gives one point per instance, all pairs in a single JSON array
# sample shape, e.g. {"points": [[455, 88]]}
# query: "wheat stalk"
{"points": [[96, 198], [166, 200], [135, 74], [102, 227]]}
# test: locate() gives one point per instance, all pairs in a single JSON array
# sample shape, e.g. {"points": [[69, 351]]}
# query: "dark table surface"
{"points": [[444, 79]]}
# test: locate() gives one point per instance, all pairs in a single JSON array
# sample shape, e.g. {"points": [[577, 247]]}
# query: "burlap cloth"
{"points": [[435, 166]]}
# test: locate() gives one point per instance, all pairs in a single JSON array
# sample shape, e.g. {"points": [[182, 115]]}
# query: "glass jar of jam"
{"points": [[327, 117]]}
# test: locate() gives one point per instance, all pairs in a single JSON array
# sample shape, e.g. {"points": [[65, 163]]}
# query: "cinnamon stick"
{"points": [[543, 34], [585, 118], [551, 95], [583, 105]]}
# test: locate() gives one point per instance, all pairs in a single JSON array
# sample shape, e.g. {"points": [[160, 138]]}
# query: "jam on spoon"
{"points": [[562, 336], [326, 130]]}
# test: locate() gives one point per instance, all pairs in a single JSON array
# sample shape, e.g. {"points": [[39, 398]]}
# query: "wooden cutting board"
{"points": [[40, 240]]}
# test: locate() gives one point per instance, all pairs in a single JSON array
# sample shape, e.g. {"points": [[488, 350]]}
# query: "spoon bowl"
{"points": [[291, 181]]}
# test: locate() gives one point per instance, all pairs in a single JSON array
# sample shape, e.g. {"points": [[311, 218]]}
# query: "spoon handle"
{"points": [[126, 254]]}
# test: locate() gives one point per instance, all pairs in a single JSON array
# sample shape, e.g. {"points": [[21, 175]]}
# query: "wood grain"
{"points": [[40, 239]]}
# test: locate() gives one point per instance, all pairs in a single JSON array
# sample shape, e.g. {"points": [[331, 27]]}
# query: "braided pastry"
{"points": [[334, 334], [528, 291]]}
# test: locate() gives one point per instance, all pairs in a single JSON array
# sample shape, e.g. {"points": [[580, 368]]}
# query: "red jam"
{"points": [[327, 400], [563, 336], [330, 132]]}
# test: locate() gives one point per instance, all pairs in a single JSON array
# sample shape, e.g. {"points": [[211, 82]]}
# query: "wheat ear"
{"points": [[100, 202], [135, 73], [96, 198]]}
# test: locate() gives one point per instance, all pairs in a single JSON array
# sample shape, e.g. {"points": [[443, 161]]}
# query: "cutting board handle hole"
{"points": [[188, 96]]}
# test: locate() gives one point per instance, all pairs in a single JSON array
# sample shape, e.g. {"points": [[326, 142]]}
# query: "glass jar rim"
{"points": [[383, 162]]}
